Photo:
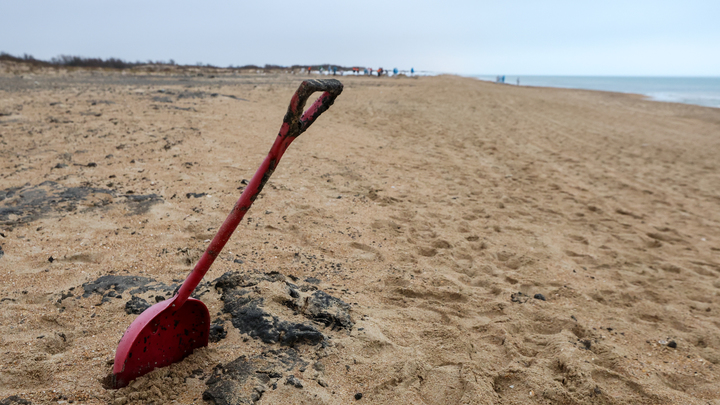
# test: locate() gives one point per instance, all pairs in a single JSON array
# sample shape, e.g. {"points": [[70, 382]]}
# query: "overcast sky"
{"points": [[550, 37]]}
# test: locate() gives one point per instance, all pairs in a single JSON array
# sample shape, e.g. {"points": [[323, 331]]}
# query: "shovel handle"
{"points": [[294, 124]]}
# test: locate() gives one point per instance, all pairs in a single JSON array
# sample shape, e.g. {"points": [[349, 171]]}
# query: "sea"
{"points": [[704, 91]]}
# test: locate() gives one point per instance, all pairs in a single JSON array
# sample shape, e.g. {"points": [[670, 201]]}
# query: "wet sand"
{"points": [[481, 243]]}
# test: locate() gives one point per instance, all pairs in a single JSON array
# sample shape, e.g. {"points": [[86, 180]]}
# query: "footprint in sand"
{"points": [[388, 225], [426, 251], [441, 244], [580, 239], [433, 249], [368, 252]]}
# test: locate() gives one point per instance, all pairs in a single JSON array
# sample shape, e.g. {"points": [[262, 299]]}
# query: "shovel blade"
{"points": [[160, 336]]}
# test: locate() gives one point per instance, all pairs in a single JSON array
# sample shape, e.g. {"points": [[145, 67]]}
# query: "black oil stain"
{"points": [[27, 203]]}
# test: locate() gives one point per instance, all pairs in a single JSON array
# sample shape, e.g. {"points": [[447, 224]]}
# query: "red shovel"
{"points": [[170, 330]]}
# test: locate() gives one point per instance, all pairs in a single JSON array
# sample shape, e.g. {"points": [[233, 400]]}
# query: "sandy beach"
{"points": [[444, 240]]}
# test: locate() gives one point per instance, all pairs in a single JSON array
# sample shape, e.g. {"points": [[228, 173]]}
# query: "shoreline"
{"points": [[657, 88]]}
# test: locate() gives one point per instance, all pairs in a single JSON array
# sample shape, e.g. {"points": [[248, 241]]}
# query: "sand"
{"points": [[492, 243]]}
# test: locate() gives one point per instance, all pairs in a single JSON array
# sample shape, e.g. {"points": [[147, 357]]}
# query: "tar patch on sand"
{"points": [[245, 379], [284, 320], [27, 203]]}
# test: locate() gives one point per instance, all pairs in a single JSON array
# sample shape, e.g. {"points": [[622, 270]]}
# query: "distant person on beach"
{"points": [[412, 71], [380, 72], [518, 81], [309, 69], [334, 68]]}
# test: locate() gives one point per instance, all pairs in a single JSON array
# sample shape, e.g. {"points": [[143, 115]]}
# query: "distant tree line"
{"points": [[116, 63], [6, 57], [79, 61]]}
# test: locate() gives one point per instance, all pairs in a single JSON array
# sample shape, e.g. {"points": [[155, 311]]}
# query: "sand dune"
{"points": [[479, 243]]}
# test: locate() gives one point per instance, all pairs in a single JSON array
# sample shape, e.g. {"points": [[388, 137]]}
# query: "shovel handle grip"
{"points": [[294, 124]]}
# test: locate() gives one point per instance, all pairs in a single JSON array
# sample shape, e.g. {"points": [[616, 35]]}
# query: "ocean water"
{"points": [[703, 91]]}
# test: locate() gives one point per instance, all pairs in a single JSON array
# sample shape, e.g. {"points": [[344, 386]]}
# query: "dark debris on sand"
{"points": [[28, 203], [136, 306], [323, 308], [118, 283], [245, 379], [217, 331], [519, 297], [15, 400], [249, 316], [112, 287]]}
